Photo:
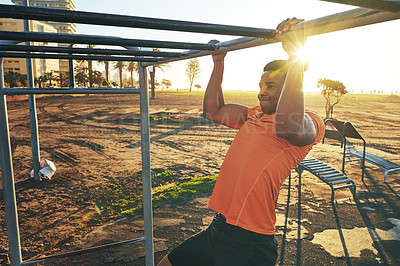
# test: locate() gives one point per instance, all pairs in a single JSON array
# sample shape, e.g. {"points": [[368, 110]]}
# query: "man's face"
{"points": [[271, 84]]}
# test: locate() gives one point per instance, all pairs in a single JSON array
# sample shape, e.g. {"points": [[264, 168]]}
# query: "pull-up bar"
{"points": [[46, 14], [385, 5], [79, 57], [54, 49], [30, 91], [104, 40], [340, 21]]}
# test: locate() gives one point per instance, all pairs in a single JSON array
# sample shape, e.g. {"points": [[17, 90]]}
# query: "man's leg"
{"points": [[194, 251]]}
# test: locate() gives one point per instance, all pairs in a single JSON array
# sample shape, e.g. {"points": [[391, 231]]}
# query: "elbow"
{"points": [[208, 115]]}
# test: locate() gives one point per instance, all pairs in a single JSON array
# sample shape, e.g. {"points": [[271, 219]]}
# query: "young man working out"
{"points": [[272, 139]]}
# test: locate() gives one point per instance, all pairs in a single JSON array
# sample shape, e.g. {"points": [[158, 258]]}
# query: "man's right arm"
{"points": [[214, 107]]}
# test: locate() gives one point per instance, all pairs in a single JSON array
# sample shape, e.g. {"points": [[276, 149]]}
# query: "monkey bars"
{"points": [[10, 47]]}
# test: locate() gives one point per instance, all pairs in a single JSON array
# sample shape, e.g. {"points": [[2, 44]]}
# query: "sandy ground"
{"points": [[95, 143]]}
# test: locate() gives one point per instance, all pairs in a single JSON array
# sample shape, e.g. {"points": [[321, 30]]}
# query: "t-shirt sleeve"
{"points": [[251, 111], [319, 125]]}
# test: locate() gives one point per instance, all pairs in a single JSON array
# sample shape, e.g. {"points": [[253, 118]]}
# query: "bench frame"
{"points": [[347, 130], [334, 178]]}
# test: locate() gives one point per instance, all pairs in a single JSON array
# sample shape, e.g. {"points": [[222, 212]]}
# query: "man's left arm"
{"points": [[292, 123]]}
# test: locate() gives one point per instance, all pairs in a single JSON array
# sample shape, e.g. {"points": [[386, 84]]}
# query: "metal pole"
{"points": [[392, 6], [152, 77], [37, 13], [146, 174], [79, 57], [340, 21], [71, 71], [101, 40], [70, 50], [70, 91], [32, 110], [7, 176]]}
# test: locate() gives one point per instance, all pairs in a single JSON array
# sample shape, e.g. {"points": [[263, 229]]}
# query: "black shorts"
{"points": [[225, 244]]}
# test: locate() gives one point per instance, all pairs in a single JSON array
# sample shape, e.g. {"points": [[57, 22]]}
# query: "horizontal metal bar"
{"points": [[336, 22], [83, 251], [104, 40], [384, 5], [52, 49], [78, 57], [45, 14], [23, 91]]}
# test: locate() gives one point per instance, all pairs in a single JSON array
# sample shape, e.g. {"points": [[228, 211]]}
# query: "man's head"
{"points": [[271, 84]]}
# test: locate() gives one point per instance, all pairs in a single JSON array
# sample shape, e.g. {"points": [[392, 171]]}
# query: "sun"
{"points": [[303, 54]]}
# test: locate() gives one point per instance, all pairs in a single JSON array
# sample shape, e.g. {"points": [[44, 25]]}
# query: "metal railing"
{"points": [[9, 47]]}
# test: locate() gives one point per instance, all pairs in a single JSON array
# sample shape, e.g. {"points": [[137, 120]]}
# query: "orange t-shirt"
{"points": [[256, 165]]}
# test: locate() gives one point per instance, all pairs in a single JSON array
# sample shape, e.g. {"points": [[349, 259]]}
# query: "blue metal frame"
{"points": [[255, 37]]}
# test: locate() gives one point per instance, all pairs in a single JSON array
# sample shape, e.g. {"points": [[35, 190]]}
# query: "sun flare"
{"points": [[303, 54]]}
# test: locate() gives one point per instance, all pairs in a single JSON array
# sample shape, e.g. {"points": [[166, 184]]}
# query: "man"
{"points": [[272, 139]]}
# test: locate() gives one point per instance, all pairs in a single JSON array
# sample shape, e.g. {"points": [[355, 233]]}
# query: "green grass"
{"points": [[176, 192]]}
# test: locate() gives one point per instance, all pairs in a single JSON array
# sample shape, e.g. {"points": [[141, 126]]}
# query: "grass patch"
{"points": [[175, 192]]}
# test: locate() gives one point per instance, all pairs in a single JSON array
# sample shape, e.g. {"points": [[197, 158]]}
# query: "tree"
{"points": [[153, 75], [50, 77], [120, 66], [90, 67], [166, 83], [107, 69], [62, 78], [192, 71], [12, 78], [23, 78], [40, 80], [98, 78], [81, 78], [132, 67], [197, 86], [331, 89]]}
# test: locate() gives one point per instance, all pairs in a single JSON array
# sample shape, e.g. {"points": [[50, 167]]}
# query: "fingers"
{"points": [[214, 41], [287, 25]]}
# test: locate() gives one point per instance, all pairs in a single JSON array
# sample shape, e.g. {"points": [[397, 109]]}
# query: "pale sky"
{"points": [[365, 58]]}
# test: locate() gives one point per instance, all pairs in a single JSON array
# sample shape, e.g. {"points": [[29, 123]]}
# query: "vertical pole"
{"points": [[7, 176], [152, 77], [32, 110], [146, 174], [298, 257], [71, 72]]}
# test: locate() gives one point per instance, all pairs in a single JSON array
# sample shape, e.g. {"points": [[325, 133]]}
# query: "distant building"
{"points": [[61, 27], [39, 66]]}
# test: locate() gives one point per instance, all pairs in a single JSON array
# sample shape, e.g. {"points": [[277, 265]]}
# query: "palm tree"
{"points": [[132, 67], [12, 78], [62, 78], [50, 77], [90, 67], [120, 65], [107, 68], [81, 78], [153, 74], [39, 80]]}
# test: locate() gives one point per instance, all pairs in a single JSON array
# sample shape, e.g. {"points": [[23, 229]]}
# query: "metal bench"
{"points": [[346, 130], [386, 165], [334, 178]]}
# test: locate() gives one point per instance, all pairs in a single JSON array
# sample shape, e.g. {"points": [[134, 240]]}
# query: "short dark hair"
{"points": [[280, 66], [276, 65]]}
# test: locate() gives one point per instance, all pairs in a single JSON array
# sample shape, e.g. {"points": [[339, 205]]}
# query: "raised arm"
{"points": [[214, 106], [292, 123]]}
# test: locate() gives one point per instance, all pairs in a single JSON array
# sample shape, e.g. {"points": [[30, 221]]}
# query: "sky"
{"points": [[363, 59]]}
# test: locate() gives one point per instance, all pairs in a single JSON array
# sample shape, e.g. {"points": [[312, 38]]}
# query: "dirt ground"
{"points": [[94, 142]]}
